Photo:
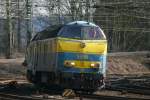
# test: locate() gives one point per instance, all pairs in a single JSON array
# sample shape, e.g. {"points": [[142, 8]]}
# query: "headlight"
{"points": [[92, 65], [69, 63], [95, 65], [72, 63]]}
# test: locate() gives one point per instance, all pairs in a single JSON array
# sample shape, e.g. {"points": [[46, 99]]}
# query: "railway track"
{"points": [[102, 97], [128, 76], [118, 85], [129, 90], [138, 84], [4, 96]]}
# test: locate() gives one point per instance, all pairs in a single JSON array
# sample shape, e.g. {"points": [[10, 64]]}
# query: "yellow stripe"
{"points": [[91, 46], [73, 45], [80, 64]]}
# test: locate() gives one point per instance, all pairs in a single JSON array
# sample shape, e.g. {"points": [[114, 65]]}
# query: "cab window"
{"points": [[70, 32], [81, 32], [92, 33]]}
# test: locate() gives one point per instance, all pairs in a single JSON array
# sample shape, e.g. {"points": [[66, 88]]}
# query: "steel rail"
{"points": [[4, 96], [120, 54], [102, 97], [129, 90]]}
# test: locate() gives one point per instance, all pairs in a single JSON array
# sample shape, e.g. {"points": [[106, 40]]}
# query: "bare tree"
{"points": [[29, 20], [9, 44], [71, 9], [125, 22]]}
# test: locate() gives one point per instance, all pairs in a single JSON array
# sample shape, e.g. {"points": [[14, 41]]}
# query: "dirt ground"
{"points": [[128, 65], [116, 65], [12, 68]]}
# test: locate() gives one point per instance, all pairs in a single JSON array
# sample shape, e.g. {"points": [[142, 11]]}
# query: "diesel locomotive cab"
{"points": [[72, 56], [82, 55], [82, 32]]}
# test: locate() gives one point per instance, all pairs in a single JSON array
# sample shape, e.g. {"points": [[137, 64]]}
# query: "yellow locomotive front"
{"points": [[82, 49]]}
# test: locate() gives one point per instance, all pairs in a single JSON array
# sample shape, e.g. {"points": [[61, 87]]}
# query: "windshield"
{"points": [[92, 33], [70, 32], [82, 32]]}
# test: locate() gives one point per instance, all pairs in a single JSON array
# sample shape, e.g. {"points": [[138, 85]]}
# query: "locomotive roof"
{"points": [[82, 23], [49, 32], [52, 31]]}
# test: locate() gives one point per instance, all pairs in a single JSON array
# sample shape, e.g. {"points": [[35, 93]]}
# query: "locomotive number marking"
{"points": [[82, 57]]}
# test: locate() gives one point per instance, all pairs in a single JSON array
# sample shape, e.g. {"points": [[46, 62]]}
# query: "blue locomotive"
{"points": [[72, 56]]}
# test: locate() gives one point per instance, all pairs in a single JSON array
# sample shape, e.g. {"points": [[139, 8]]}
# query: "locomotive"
{"points": [[71, 55]]}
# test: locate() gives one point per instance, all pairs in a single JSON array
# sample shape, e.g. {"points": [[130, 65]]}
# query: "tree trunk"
{"points": [[9, 44], [28, 21], [19, 27]]}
